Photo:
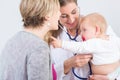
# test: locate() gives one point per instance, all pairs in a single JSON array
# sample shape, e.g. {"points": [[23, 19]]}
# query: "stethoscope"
{"points": [[74, 39]]}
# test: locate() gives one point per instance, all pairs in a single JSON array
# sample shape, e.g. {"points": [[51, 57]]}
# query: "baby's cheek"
{"points": [[83, 38]]}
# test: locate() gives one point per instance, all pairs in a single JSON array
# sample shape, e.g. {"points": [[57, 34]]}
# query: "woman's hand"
{"points": [[98, 77], [76, 61]]}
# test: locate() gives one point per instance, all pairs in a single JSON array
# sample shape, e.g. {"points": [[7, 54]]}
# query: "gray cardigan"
{"points": [[25, 57]]}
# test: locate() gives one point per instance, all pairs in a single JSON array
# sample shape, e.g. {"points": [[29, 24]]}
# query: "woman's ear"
{"points": [[47, 17]]}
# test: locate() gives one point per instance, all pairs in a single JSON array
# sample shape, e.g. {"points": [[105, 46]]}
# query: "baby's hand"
{"points": [[56, 43]]}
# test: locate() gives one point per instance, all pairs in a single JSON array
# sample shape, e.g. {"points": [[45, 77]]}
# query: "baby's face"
{"points": [[88, 31]]}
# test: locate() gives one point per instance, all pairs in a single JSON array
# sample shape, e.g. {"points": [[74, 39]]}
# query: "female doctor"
{"points": [[64, 60]]}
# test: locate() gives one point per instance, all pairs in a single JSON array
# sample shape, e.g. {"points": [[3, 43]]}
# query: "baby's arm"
{"points": [[72, 46], [76, 47]]}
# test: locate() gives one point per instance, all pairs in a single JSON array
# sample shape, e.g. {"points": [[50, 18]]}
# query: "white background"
{"points": [[11, 22], [110, 9]]}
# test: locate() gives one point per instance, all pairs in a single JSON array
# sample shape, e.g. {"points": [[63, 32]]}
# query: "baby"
{"points": [[104, 48]]}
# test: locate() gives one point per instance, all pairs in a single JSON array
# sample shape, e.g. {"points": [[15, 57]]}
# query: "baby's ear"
{"points": [[98, 30]]}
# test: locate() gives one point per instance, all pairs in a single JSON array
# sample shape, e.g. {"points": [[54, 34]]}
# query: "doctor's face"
{"points": [[69, 15]]}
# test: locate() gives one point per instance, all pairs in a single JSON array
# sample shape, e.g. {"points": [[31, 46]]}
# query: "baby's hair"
{"points": [[96, 19]]}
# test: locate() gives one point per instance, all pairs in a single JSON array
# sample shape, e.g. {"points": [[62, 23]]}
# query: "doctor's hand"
{"points": [[56, 43], [98, 77], [76, 61]]}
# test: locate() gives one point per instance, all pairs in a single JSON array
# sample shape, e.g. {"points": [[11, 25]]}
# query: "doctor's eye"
{"points": [[64, 16], [74, 12]]}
